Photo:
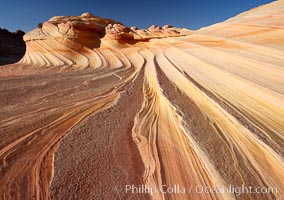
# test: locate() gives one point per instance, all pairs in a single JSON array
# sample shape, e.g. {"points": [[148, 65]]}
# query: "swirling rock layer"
{"points": [[94, 106]]}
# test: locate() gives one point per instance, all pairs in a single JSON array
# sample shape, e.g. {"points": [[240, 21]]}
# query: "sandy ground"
{"points": [[102, 157]]}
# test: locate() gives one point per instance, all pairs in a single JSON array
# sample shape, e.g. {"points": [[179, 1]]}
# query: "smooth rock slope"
{"points": [[94, 106]]}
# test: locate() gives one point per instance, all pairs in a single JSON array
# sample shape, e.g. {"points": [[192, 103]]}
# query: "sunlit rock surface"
{"points": [[94, 106]]}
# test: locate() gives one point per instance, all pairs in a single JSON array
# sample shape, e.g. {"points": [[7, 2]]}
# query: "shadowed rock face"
{"points": [[12, 46], [95, 106]]}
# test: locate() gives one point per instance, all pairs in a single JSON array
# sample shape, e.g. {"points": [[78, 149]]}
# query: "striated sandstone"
{"points": [[118, 32], [94, 106]]}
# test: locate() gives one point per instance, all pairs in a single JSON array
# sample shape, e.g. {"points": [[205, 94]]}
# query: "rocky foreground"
{"points": [[95, 106]]}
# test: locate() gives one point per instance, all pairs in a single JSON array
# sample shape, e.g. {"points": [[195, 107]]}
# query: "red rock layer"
{"points": [[162, 106]]}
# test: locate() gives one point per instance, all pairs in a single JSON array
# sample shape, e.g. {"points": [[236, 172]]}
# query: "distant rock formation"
{"points": [[72, 40], [89, 29], [12, 46]]}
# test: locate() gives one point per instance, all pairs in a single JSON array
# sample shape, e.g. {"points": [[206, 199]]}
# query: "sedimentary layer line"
{"points": [[206, 108]]}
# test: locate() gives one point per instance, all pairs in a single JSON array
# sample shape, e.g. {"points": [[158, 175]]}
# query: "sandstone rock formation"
{"points": [[12, 46], [95, 106]]}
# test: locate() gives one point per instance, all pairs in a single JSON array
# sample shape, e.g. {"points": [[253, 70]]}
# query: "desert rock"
{"points": [[94, 106]]}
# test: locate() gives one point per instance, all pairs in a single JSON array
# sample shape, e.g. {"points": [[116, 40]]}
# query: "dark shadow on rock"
{"points": [[12, 46]]}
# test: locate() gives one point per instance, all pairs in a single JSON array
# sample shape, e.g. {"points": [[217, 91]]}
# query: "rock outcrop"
{"points": [[12, 46], [73, 41], [95, 107]]}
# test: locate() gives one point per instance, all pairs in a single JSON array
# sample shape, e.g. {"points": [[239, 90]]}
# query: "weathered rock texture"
{"points": [[94, 106]]}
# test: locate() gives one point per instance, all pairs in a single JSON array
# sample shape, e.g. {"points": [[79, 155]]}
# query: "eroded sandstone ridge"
{"points": [[94, 106]]}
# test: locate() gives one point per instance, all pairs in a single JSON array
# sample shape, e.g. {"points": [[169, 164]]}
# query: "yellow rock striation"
{"points": [[212, 110]]}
